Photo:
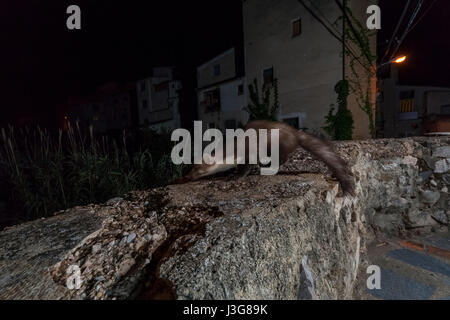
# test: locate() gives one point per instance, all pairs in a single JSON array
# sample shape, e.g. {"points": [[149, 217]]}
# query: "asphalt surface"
{"points": [[413, 269]]}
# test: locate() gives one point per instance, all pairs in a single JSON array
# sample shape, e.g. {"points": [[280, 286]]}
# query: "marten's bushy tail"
{"points": [[324, 151]]}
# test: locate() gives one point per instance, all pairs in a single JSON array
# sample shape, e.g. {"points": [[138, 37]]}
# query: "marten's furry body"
{"points": [[289, 140]]}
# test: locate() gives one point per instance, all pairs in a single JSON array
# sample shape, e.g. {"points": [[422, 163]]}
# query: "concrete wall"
{"points": [[307, 66]]}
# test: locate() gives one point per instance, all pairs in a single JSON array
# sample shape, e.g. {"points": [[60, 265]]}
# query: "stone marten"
{"points": [[289, 140]]}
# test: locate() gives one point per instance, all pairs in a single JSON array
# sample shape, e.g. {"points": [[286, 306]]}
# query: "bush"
{"points": [[340, 125], [262, 108]]}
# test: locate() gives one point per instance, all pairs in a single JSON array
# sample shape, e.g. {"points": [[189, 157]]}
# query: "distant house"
{"points": [[405, 110], [221, 92], [282, 40], [110, 108], [158, 100]]}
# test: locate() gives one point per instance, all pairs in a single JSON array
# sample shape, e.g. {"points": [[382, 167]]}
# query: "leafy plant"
{"points": [[340, 125], [263, 108]]}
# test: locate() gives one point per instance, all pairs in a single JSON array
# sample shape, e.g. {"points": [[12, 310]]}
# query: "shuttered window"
{"points": [[296, 27]]}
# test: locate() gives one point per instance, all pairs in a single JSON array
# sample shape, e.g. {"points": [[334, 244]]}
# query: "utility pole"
{"points": [[343, 37]]}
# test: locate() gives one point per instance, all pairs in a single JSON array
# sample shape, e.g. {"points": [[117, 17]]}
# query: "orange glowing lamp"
{"points": [[400, 60]]}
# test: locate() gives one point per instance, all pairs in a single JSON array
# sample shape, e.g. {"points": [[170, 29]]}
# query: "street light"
{"points": [[395, 60], [400, 60]]}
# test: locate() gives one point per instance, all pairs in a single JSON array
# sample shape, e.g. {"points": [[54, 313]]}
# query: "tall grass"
{"points": [[41, 173]]}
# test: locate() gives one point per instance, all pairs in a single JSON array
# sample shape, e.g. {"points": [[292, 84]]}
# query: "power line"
{"points": [[324, 17], [331, 25], [333, 34], [423, 15], [396, 30], [355, 33], [411, 20], [343, 40]]}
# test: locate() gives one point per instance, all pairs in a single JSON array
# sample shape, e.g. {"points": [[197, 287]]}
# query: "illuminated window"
{"points": [[407, 101]]}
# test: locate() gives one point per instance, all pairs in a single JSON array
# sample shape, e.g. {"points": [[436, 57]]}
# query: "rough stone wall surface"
{"points": [[28, 250], [289, 236]]}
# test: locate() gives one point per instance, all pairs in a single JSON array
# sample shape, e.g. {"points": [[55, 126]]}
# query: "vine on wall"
{"points": [[360, 38], [359, 81]]}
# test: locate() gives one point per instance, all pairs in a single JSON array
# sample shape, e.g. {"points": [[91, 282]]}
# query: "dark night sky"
{"points": [[42, 62], [427, 45]]}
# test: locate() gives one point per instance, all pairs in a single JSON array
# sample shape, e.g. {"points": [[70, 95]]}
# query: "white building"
{"points": [[158, 100], [221, 92]]}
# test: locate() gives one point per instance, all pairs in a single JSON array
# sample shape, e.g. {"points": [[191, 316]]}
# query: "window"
{"points": [[217, 70], [296, 27], [407, 101], [163, 86], [445, 109], [292, 122], [240, 90], [407, 95], [268, 76], [230, 124], [211, 100], [144, 104]]}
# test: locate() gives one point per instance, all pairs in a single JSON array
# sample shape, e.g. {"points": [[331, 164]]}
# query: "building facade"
{"points": [[405, 110], [111, 108], [282, 40], [221, 92], [158, 100]]}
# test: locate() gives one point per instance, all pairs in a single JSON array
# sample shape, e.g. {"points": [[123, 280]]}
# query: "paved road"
{"points": [[413, 269]]}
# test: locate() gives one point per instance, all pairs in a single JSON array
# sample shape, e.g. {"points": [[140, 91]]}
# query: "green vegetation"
{"points": [[340, 125], [265, 107], [41, 173], [362, 61]]}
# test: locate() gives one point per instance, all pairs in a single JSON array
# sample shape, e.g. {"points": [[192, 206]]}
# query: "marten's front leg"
{"points": [[244, 170]]}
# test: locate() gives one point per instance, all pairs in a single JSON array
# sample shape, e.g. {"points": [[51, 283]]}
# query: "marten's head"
{"points": [[197, 171], [203, 170]]}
